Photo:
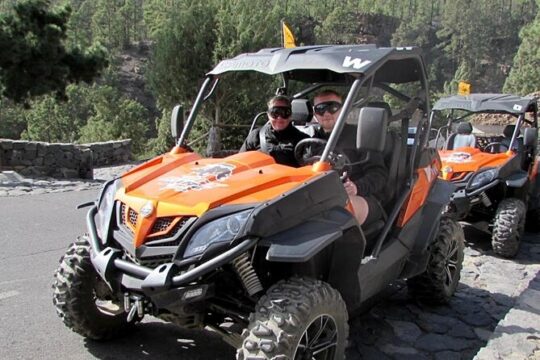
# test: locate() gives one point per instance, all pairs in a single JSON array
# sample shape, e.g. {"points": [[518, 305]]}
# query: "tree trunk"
{"points": [[214, 135]]}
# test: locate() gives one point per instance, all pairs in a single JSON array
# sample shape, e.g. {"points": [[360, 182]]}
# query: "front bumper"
{"points": [[166, 280], [463, 201]]}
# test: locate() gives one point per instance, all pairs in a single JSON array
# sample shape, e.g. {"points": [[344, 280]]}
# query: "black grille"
{"points": [[161, 224], [173, 235], [123, 213], [150, 261], [132, 215]]}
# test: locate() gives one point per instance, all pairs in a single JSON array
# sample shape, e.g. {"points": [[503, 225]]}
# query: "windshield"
{"points": [[226, 113]]}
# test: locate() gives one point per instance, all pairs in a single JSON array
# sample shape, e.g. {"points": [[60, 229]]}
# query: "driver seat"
{"points": [[508, 131], [464, 137]]}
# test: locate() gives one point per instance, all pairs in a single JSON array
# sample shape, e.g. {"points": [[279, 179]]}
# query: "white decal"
{"points": [[356, 63], [517, 107], [457, 157], [207, 177], [431, 172], [219, 171]]}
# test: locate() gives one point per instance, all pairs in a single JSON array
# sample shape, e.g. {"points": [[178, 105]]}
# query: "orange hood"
{"points": [[457, 163], [186, 184]]}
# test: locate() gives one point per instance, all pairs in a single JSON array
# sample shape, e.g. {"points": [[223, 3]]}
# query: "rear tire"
{"points": [[438, 282], [508, 227], [297, 319], [77, 288]]}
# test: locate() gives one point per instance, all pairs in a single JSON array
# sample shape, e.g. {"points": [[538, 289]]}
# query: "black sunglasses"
{"points": [[281, 111], [331, 106]]}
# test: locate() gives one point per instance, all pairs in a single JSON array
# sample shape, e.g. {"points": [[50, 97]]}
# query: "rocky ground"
{"points": [[12, 184], [495, 313], [490, 289]]}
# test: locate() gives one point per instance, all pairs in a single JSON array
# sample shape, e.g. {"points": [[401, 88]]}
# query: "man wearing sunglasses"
{"points": [[278, 137], [365, 184]]}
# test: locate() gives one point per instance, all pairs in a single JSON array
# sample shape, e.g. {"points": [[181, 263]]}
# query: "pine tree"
{"points": [[524, 77], [38, 62]]}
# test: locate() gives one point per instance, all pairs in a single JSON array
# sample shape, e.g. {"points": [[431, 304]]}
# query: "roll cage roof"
{"points": [[355, 65], [485, 103], [329, 63]]}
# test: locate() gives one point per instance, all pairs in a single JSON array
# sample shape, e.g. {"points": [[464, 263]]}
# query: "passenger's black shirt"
{"points": [[279, 144], [370, 177]]}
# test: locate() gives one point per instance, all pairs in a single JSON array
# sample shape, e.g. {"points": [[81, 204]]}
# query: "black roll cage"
{"points": [[359, 81], [453, 119]]}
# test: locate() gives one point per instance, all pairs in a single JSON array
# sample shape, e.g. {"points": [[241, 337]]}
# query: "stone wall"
{"points": [[110, 152], [31, 158]]}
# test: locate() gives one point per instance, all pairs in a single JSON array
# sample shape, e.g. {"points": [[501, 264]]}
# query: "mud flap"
{"points": [[421, 237]]}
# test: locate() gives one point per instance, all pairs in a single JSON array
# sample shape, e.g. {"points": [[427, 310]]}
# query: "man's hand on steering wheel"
{"points": [[309, 151]]}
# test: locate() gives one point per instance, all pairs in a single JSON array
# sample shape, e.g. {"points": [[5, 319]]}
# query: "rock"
{"points": [[368, 353], [10, 176], [435, 323], [436, 343], [406, 331], [399, 351], [477, 318], [483, 334], [448, 355], [462, 330]]}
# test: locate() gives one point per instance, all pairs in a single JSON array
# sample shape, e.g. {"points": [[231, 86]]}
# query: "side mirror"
{"points": [[177, 121], [371, 130], [530, 135]]}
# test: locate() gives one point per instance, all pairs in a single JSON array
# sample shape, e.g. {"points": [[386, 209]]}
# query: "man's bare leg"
{"points": [[360, 207]]}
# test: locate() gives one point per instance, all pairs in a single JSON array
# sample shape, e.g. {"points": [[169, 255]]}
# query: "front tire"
{"points": [[508, 227], [438, 282], [297, 319], [83, 300]]}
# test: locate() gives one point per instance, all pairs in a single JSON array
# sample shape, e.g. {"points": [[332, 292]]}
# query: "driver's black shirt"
{"points": [[370, 177], [279, 144]]}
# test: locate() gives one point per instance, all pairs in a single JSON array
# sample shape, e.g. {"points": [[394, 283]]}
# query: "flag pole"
{"points": [[282, 22]]}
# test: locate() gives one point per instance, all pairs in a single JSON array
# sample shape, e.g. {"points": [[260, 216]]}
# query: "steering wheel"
{"points": [[492, 145], [305, 150], [308, 151]]}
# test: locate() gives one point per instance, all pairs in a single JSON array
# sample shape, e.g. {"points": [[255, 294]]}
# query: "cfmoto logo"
{"points": [[147, 210]]}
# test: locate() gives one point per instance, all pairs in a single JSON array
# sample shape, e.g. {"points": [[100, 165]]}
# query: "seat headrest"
{"points": [[380, 104], [464, 128], [302, 111], [371, 129], [509, 131]]}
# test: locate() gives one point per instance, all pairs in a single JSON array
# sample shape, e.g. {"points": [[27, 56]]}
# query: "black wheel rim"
{"points": [[451, 263], [319, 340]]}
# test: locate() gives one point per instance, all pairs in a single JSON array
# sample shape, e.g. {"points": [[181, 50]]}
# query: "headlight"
{"points": [[482, 178], [105, 209], [221, 230]]}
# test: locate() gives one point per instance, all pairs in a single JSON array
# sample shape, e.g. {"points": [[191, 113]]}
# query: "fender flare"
{"points": [[431, 213], [517, 180], [302, 242]]}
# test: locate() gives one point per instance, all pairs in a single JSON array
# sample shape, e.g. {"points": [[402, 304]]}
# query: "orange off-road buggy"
{"points": [[496, 179], [268, 255]]}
